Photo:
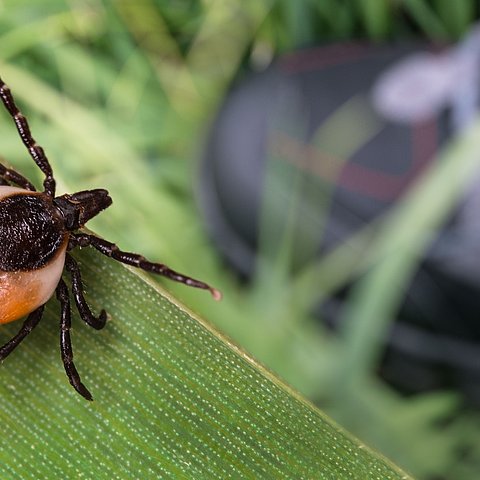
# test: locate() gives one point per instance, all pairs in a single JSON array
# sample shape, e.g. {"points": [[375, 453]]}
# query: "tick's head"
{"points": [[78, 208]]}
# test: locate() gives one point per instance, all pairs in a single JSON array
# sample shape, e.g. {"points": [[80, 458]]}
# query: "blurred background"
{"points": [[313, 159]]}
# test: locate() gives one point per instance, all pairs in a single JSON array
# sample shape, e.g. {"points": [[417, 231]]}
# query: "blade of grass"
{"points": [[407, 233], [426, 18], [419, 215], [456, 16], [173, 399], [376, 16]]}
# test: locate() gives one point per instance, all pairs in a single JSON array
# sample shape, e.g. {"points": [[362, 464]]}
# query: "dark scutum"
{"points": [[31, 232]]}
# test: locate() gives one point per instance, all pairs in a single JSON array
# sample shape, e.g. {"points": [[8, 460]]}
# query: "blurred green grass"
{"points": [[120, 94]]}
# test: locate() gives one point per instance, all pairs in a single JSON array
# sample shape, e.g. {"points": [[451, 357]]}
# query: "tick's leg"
{"points": [[66, 342], [28, 325], [10, 175], [35, 150], [111, 250], [77, 290]]}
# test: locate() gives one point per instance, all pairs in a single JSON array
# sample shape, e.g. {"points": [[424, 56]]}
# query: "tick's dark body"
{"points": [[37, 230], [31, 232]]}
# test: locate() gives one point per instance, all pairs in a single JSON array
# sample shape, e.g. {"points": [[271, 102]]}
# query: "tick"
{"points": [[38, 230]]}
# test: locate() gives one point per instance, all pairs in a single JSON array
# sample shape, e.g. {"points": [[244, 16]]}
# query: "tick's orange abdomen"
{"points": [[23, 292]]}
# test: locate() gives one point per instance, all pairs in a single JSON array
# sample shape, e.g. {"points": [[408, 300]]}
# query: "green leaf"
{"points": [[173, 399]]}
